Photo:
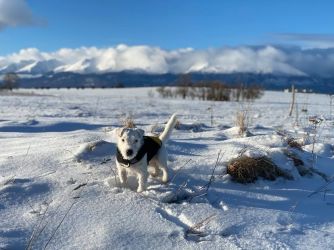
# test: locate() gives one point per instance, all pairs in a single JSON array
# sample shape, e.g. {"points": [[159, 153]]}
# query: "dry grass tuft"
{"points": [[128, 122], [241, 122], [245, 169]]}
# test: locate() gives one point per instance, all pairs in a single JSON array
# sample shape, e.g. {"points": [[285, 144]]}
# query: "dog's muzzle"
{"points": [[129, 152]]}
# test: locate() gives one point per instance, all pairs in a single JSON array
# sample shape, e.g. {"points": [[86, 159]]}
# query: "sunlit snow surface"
{"points": [[58, 189]]}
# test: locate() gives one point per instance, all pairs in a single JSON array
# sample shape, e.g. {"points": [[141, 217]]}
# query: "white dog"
{"points": [[135, 152]]}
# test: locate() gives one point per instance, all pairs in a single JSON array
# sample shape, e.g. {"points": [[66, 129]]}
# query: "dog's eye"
{"points": [[123, 140], [136, 141]]}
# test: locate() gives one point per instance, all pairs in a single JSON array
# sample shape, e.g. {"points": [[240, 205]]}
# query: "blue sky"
{"points": [[169, 24]]}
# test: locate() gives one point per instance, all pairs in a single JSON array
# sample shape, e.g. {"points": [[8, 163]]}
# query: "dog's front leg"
{"points": [[142, 181], [122, 174]]}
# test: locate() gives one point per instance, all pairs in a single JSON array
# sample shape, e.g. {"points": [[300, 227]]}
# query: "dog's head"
{"points": [[129, 141]]}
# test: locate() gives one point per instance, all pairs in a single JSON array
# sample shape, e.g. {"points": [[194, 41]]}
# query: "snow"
{"points": [[58, 187]]}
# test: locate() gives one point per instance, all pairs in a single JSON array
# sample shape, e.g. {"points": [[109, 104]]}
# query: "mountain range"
{"points": [[131, 66]]}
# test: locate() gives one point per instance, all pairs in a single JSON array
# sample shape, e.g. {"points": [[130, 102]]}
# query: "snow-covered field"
{"points": [[58, 189]]}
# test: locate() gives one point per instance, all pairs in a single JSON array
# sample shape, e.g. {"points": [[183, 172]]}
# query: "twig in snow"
{"points": [[36, 228], [105, 161], [219, 157], [175, 198], [318, 190], [177, 171], [80, 186], [58, 226], [207, 185], [322, 188], [62, 220], [196, 229]]}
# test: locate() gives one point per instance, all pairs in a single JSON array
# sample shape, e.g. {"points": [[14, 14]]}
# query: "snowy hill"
{"points": [[58, 189]]}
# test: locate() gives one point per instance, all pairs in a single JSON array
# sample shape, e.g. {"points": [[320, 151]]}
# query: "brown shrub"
{"points": [[293, 143], [244, 169]]}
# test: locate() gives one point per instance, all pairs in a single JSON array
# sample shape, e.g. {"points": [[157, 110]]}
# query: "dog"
{"points": [[136, 152]]}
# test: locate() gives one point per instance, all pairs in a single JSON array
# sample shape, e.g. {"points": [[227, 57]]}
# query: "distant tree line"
{"points": [[211, 90], [10, 81]]}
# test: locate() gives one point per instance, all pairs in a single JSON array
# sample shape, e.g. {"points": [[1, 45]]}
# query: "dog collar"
{"points": [[127, 162], [150, 147]]}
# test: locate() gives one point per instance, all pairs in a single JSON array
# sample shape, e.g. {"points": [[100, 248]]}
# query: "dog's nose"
{"points": [[129, 152]]}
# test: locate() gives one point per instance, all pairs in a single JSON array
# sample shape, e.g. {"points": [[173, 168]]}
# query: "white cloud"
{"points": [[261, 59], [307, 41], [15, 13]]}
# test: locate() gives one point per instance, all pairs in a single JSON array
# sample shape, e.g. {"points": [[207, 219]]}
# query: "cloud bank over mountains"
{"points": [[246, 59]]}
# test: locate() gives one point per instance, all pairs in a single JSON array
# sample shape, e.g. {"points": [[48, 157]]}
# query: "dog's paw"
{"points": [[140, 189]]}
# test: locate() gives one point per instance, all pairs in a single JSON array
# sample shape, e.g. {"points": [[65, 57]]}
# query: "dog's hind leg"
{"points": [[161, 160], [163, 167], [154, 168]]}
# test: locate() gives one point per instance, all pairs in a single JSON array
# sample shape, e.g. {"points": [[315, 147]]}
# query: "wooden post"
{"points": [[331, 97], [293, 99]]}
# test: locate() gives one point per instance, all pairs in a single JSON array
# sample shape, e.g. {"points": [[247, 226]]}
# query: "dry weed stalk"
{"points": [[322, 188], [207, 186], [203, 191], [128, 122], [315, 122], [293, 91], [241, 121], [331, 100], [211, 114], [37, 228], [178, 171]]}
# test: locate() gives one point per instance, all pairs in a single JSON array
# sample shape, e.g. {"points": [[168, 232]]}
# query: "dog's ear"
{"points": [[140, 131], [120, 131]]}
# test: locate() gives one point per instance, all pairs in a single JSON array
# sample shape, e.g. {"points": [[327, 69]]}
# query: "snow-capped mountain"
{"points": [[81, 66], [16, 67], [153, 60], [40, 67]]}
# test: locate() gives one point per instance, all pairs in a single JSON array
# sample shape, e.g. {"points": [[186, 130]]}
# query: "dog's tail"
{"points": [[168, 129]]}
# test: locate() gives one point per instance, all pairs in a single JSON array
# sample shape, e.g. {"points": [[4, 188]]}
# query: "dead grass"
{"points": [[245, 169], [128, 122], [241, 122]]}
